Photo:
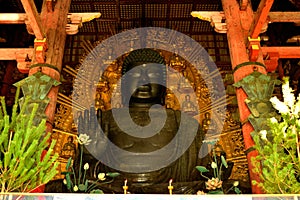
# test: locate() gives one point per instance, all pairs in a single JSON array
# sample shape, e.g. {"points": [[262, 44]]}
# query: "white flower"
{"points": [[65, 181], [101, 176], [236, 183], [200, 192], [86, 166], [283, 130], [75, 188], [263, 134], [84, 139], [273, 120], [297, 108], [288, 96], [214, 165], [289, 99], [280, 106]]}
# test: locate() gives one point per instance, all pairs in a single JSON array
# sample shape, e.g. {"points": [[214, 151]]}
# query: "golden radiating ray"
{"points": [[75, 74], [67, 101], [217, 104], [64, 132]]}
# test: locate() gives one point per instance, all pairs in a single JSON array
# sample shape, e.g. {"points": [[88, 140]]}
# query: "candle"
{"points": [[125, 187], [170, 187]]}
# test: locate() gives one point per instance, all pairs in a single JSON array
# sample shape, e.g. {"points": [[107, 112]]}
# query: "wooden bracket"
{"points": [[75, 21], [243, 4], [40, 50], [23, 56], [253, 47], [215, 18], [271, 61], [23, 62], [72, 29]]}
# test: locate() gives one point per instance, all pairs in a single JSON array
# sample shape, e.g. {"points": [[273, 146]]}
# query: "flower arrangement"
{"points": [[214, 185], [278, 162], [79, 183], [24, 165]]}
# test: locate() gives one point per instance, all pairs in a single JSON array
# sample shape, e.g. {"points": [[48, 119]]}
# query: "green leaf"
{"points": [[215, 192], [69, 163], [97, 191], [81, 187], [112, 174], [237, 190], [67, 173], [69, 182], [86, 184], [202, 169], [7, 157]]}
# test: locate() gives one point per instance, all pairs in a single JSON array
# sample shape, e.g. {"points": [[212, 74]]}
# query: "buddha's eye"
{"points": [[135, 74], [153, 74]]}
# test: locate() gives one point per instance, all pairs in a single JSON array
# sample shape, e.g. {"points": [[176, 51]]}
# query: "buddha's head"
{"points": [[144, 78]]}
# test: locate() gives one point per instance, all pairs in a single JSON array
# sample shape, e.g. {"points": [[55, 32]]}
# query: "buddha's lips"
{"points": [[143, 91], [144, 88]]}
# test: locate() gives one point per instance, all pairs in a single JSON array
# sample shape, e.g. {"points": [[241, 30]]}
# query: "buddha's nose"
{"points": [[144, 78]]}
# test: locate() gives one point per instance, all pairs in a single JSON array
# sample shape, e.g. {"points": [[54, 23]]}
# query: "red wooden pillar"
{"points": [[238, 25], [50, 50]]}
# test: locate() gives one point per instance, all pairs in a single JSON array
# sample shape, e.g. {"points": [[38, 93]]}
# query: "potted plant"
{"points": [[278, 162], [26, 157]]}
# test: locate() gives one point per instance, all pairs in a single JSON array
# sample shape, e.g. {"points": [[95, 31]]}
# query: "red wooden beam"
{"points": [[14, 53], [272, 16], [34, 18], [283, 52], [13, 18], [284, 17], [260, 17], [20, 18]]}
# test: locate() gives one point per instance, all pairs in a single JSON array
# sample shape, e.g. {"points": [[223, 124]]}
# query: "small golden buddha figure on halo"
{"points": [[68, 149]]}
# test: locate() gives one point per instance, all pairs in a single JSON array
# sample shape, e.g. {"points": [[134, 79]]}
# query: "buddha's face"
{"points": [[143, 84]]}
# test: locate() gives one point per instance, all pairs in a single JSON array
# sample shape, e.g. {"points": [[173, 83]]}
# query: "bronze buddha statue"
{"points": [[159, 143], [147, 142]]}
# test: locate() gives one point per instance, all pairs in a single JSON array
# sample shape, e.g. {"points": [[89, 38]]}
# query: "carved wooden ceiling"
{"points": [[120, 15]]}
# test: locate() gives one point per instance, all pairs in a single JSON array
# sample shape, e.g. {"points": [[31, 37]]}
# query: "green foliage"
{"points": [[21, 148], [278, 163], [201, 169]]}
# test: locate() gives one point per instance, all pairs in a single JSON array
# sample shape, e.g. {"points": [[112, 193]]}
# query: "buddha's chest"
{"points": [[139, 142]]}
